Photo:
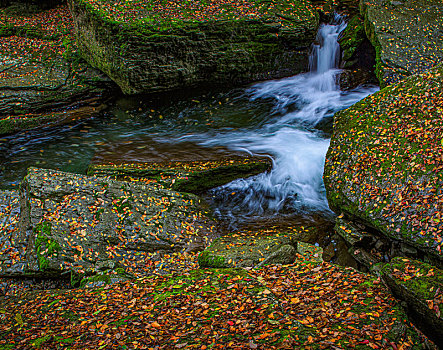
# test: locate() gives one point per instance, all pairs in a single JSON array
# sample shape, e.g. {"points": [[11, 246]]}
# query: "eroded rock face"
{"points": [[384, 167], [74, 223], [190, 44], [407, 36]]}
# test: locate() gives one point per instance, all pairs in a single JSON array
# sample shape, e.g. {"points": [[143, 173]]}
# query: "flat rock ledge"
{"points": [[257, 248], [195, 43], [73, 225], [192, 177]]}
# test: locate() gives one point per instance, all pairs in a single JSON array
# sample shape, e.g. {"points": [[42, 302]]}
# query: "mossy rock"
{"points": [[351, 38], [407, 36], [258, 248], [42, 72], [191, 177], [309, 252], [192, 44], [79, 226], [420, 285], [105, 278]]}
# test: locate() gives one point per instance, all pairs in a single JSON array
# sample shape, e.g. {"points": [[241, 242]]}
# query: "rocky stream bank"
{"points": [[133, 250]]}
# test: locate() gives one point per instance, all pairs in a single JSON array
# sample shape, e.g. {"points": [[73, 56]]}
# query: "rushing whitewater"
{"points": [[297, 148]]}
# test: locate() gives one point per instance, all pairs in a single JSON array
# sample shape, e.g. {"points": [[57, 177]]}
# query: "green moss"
{"points": [[352, 37], [38, 343], [24, 31], [10, 125], [45, 247], [106, 277], [371, 35], [420, 280], [207, 259]]}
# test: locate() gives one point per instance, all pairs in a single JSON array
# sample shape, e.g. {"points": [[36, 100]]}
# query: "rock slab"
{"points": [[192, 44]]}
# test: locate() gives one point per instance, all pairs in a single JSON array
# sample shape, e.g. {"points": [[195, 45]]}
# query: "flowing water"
{"points": [[287, 120]]}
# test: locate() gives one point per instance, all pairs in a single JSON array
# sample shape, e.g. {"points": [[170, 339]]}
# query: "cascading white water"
{"points": [[297, 148]]}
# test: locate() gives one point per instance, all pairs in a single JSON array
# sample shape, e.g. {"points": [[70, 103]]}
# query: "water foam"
{"points": [[297, 148]]}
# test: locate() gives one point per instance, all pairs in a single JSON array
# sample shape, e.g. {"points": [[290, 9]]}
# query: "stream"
{"points": [[288, 120]]}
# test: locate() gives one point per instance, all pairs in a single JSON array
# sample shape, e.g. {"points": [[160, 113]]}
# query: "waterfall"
{"points": [[297, 148]]}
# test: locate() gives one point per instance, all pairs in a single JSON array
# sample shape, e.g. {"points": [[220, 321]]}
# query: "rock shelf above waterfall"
{"points": [[191, 44]]}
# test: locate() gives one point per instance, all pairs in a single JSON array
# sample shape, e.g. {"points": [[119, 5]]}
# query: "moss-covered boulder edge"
{"points": [[156, 53], [384, 175]]}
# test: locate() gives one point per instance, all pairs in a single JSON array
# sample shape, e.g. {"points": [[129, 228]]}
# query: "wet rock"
{"points": [[329, 252], [420, 286], [148, 54], [407, 36], [78, 225], [346, 231], [191, 177], [363, 257], [407, 250]]}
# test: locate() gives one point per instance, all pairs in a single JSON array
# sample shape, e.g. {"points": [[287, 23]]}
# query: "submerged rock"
{"points": [[146, 46], [407, 36], [384, 167]]}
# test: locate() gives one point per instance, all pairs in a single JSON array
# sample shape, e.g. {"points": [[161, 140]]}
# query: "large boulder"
{"points": [[384, 167], [41, 73], [407, 36], [147, 46], [78, 225]]}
